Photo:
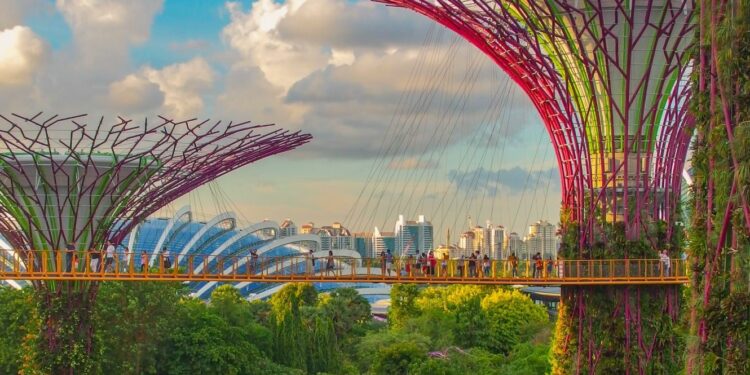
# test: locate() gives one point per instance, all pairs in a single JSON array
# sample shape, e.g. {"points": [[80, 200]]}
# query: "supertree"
{"points": [[609, 80], [84, 181], [719, 245]]}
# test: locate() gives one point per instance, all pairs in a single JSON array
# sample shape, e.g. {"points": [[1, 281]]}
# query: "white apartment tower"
{"points": [[466, 242], [382, 242], [413, 237], [515, 245], [494, 239], [543, 239]]}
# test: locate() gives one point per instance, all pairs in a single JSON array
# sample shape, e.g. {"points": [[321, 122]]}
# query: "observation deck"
{"points": [[45, 265]]}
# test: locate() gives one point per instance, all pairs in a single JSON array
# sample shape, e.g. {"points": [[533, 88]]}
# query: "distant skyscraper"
{"points": [[332, 237], [495, 241], [382, 241], [413, 237], [543, 239], [480, 239], [516, 245], [466, 242], [363, 244]]}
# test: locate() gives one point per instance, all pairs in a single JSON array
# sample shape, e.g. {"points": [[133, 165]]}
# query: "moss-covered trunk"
{"points": [[618, 330], [66, 339], [719, 248]]}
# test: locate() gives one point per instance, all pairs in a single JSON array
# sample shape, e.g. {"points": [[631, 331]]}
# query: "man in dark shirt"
{"points": [[69, 250]]}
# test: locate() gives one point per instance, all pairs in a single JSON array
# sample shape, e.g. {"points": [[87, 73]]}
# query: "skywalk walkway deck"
{"points": [[46, 265]]}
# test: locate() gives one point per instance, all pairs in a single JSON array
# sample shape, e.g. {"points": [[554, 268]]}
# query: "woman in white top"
{"points": [[665, 263], [110, 260]]}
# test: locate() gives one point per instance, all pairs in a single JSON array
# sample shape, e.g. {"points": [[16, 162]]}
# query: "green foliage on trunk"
{"points": [[614, 329], [20, 327], [719, 250]]}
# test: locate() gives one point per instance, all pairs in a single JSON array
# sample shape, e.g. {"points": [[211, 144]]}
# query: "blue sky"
{"points": [[345, 71]]}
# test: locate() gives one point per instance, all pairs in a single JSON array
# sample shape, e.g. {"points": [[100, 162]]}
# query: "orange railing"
{"points": [[87, 265]]}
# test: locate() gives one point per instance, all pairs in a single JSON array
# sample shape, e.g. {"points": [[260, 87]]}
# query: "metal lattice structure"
{"points": [[609, 80], [64, 180]]}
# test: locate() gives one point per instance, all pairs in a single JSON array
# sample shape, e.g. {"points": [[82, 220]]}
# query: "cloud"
{"points": [[98, 21], [513, 180], [248, 95], [135, 93], [412, 163], [255, 37], [21, 52], [14, 11], [77, 76], [347, 25], [182, 85], [177, 88]]}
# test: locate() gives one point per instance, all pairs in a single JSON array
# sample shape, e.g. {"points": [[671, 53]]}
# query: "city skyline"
{"points": [[412, 237]]}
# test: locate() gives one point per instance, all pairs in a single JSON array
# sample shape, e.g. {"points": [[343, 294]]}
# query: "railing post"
{"points": [[627, 269], [44, 263]]}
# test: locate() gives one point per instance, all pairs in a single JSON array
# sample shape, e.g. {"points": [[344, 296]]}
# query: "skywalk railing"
{"points": [[95, 265]]}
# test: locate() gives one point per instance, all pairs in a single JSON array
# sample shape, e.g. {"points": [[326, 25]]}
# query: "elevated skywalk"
{"points": [[45, 265]]}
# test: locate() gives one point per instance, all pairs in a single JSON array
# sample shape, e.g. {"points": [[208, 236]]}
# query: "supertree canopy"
{"points": [[608, 79], [610, 82], [84, 181], [63, 180]]}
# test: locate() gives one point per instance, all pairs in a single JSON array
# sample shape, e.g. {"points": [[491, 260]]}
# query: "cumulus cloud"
{"points": [[248, 95], [344, 76], [135, 93], [513, 180], [21, 52], [352, 25], [96, 21], [182, 85], [104, 31], [77, 76], [255, 36], [177, 88]]}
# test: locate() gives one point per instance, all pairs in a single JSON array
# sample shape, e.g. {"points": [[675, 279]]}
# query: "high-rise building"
{"points": [[543, 239], [287, 228], [466, 243], [338, 237], [495, 241], [363, 244], [480, 239], [413, 237], [516, 245], [382, 241]]}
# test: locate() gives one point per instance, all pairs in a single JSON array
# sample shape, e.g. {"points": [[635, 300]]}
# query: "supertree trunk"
{"points": [[719, 236], [609, 80], [66, 183], [65, 344]]}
